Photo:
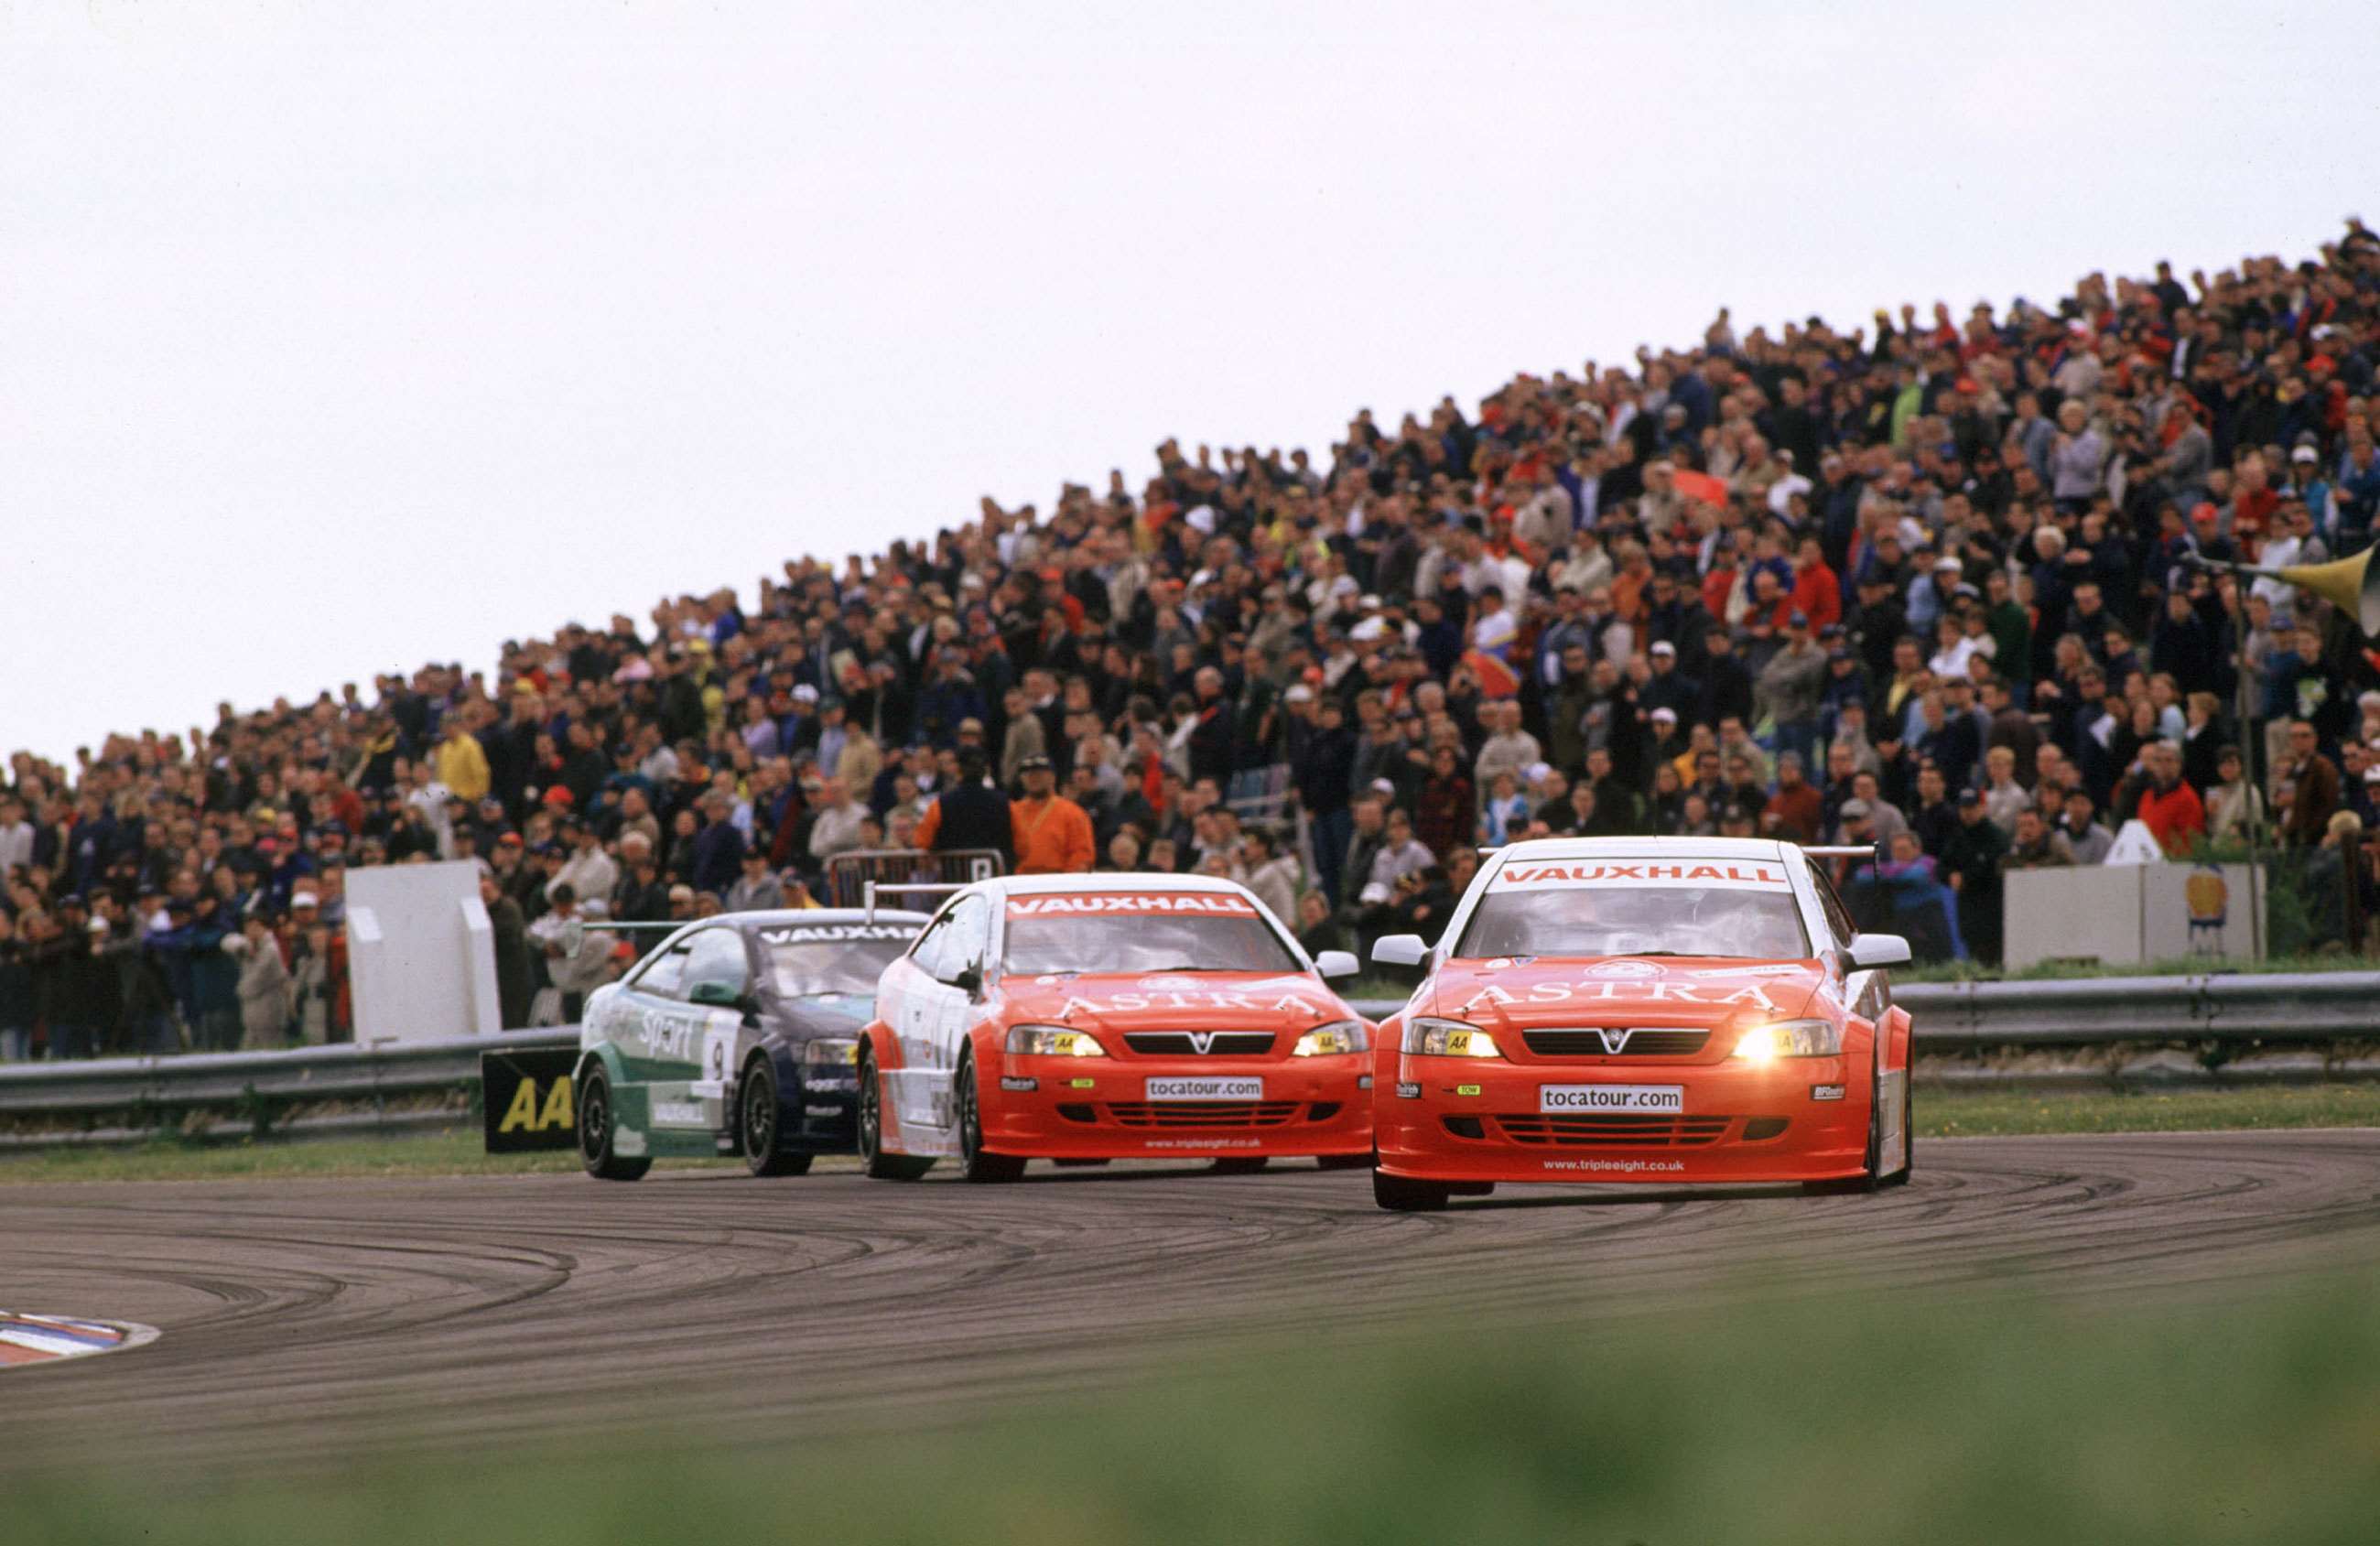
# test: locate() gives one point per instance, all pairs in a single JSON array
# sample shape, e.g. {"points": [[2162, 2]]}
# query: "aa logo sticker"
{"points": [[527, 1113], [530, 1100]]}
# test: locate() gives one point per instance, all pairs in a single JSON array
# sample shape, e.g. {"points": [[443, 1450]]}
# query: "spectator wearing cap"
{"points": [[588, 869], [207, 980], [971, 815], [1791, 687], [1971, 857], [756, 890], [1051, 833]]}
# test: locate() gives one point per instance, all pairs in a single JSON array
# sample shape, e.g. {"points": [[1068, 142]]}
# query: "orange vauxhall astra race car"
{"points": [[1642, 1009], [1083, 1019]]}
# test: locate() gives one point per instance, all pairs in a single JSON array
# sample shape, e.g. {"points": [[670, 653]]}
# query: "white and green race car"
{"points": [[736, 1034]]}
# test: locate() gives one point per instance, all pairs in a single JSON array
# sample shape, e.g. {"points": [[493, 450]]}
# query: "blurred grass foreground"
{"points": [[2253, 1417]]}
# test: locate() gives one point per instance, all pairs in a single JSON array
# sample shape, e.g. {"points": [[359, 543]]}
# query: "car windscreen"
{"points": [[811, 961], [1127, 931], [1735, 907]]}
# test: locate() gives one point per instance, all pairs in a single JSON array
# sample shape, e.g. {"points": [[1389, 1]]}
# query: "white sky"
{"points": [[337, 337]]}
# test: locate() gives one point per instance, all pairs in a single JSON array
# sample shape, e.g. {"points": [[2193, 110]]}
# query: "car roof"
{"points": [[1647, 847], [1046, 886]]}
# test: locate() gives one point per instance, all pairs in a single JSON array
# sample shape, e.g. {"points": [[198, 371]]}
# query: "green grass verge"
{"points": [[459, 1152], [2005, 1113], [1940, 1113], [1883, 1418]]}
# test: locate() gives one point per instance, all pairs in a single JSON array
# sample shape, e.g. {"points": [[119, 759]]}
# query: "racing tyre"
{"points": [[758, 1118], [1399, 1195], [976, 1163], [873, 1160], [1240, 1164], [595, 1130], [1347, 1161]]}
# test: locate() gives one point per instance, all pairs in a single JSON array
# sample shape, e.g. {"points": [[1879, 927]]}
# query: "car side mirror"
{"points": [[1337, 963], [716, 995], [1871, 952], [969, 980], [1401, 950]]}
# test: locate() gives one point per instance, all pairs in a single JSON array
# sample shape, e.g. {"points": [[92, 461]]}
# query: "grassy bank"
{"points": [[1871, 1420], [2003, 1113]]}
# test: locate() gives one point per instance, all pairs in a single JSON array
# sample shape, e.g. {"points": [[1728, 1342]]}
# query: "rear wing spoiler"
{"points": [[870, 892], [1866, 853]]}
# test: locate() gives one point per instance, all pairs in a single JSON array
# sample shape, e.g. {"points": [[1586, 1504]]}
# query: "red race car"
{"points": [[1642, 1009], [1083, 1019]]}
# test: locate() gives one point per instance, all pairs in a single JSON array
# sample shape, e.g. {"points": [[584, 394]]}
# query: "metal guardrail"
{"points": [[2097, 1012], [1951, 1017], [343, 1072]]}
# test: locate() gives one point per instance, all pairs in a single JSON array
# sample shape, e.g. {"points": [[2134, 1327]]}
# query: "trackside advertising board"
{"points": [[528, 1101]]}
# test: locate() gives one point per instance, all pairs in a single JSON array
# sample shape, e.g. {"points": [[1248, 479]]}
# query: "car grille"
{"points": [[1643, 1041], [1202, 1113], [1648, 1131], [1177, 1043]]}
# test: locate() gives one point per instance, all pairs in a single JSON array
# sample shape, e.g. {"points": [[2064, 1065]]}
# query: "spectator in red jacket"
{"points": [[2163, 801]]}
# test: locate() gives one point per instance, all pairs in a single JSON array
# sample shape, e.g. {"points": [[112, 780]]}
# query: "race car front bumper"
{"points": [[1464, 1119], [1065, 1108]]}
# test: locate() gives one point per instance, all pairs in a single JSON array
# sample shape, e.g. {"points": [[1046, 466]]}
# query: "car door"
{"points": [[1868, 996], [944, 1010], [626, 1018], [693, 1045], [909, 1002]]}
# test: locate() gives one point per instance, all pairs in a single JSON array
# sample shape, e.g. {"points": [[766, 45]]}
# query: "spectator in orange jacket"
{"points": [[1053, 835]]}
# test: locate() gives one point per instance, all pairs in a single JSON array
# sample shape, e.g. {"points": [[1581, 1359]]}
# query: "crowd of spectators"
{"points": [[1926, 583]]}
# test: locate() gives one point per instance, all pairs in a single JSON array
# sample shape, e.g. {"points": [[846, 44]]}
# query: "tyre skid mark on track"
{"points": [[426, 1317]]}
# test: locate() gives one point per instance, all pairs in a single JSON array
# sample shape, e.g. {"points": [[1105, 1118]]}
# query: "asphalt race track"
{"points": [[303, 1321]]}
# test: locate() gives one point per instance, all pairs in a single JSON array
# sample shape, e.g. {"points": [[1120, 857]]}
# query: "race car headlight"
{"points": [[1339, 1036], [1053, 1042], [1429, 1038], [1789, 1039], [830, 1054]]}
